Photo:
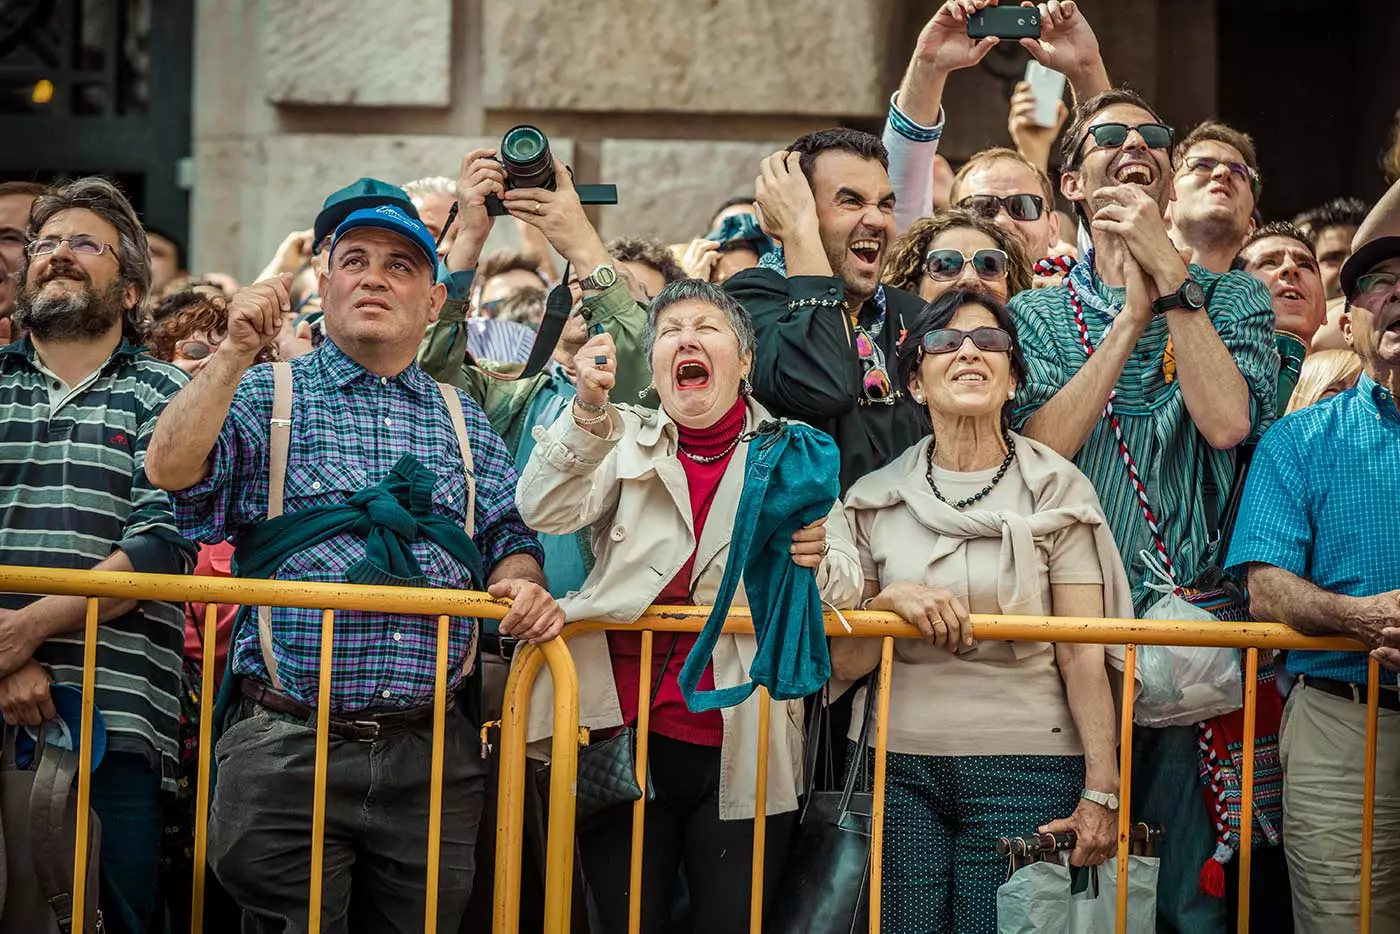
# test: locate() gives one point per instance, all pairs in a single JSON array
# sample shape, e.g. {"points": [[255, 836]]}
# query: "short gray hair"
{"points": [[420, 188], [101, 197], [697, 290]]}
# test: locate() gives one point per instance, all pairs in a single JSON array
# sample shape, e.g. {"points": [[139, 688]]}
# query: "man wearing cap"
{"points": [[376, 491], [1320, 536]]}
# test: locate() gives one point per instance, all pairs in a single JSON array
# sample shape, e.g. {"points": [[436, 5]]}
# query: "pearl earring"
{"points": [[918, 397], [1011, 393]]}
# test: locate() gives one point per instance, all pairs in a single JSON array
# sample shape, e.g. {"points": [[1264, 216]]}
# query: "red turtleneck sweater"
{"points": [[669, 714]]}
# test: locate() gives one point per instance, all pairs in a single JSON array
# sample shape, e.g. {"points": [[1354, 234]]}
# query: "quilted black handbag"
{"points": [[607, 769], [826, 883]]}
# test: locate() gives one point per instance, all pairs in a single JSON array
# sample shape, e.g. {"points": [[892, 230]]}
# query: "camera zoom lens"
{"points": [[526, 158]]}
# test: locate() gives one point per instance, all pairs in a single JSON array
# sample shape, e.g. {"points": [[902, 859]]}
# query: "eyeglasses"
{"points": [[875, 384], [196, 350], [1376, 283], [1114, 135], [1019, 207], [1204, 165], [947, 340], [946, 265], [81, 244]]}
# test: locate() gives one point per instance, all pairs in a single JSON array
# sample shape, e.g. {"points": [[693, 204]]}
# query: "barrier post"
{"points": [[877, 806], [510, 799], [208, 664], [639, 810], [1251, 707], [563, 790], [80, 836], [1368, 794], [318, 801], [435, 786], [760, 813], [1125, 781]]}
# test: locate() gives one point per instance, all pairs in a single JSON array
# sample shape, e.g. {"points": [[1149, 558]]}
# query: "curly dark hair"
{"points": [[648, 252], [186, 312], [937, 314], [904, 267]]}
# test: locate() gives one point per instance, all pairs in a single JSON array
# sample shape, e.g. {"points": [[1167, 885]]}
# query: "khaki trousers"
{"points": [[1323, 748]]}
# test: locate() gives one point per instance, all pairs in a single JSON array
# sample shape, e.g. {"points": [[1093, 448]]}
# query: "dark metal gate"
{"points": [[100, 87]]}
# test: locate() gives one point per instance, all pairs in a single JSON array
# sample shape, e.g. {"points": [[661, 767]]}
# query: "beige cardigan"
{"points": [[632, 491]]}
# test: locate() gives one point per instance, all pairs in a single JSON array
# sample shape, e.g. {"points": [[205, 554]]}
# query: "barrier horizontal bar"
{"points": [[434, 602]]}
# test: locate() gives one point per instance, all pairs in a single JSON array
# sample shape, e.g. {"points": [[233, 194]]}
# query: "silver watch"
{"points": [[602, 277], [1105, 798]]}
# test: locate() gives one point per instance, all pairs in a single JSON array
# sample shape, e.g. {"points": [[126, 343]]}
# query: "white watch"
{"points": [[1105, 798]]}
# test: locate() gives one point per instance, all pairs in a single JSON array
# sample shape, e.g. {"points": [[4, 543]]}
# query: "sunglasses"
{"points": [[1019, 207], [1114, 135], [195, 350], [947, 340], [1204, 165], [946, 265], [875, 384], [82, 245]]}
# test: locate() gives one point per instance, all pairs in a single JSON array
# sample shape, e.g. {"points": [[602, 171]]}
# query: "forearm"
{"points": [[803, 254], [1215, 392], [1089, 81], [1066, 421], [853, 658], [518, 566], [921, 92], [55, 615], [1091, 706], [1383, 221], [1276, 594], [187, 430]]}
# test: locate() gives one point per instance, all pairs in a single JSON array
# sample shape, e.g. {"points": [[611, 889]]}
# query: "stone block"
{"points": [[716, 56], [669, 188], [363, 53]]}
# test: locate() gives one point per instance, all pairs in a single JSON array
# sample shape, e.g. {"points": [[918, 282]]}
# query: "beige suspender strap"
{"points": [[280, 442], [459, 425]]}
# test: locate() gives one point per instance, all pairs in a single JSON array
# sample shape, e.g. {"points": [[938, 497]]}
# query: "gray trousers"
{"points": [[376, 835]]}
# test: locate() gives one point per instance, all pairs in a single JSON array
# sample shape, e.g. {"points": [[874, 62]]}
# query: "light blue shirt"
{"points": [[1321, 504]]}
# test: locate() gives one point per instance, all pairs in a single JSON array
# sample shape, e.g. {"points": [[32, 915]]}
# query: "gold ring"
{"points": [[536, 208]]}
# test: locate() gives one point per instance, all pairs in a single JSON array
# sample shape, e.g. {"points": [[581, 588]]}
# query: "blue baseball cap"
{"points": [[391, 218], [362, 193]]}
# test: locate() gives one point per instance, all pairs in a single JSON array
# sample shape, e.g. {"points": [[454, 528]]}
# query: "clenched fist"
{"points": [[255, 316]]}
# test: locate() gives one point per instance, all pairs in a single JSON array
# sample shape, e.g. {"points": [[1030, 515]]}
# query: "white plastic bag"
{"points": [[1182, 685], [1037, 899]]}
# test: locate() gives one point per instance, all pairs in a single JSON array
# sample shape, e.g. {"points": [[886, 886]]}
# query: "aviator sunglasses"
{"points": [[946, 265]]}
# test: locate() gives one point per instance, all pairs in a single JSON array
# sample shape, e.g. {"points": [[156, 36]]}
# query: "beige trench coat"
{"points": [[632, 491]]}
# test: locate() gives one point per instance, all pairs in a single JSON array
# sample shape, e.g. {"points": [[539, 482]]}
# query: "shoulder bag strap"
{"points": [[48, 834], [459, 427], [280, 437]]}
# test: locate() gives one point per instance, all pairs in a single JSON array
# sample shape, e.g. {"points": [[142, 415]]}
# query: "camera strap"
{"points": [[556, 315]]}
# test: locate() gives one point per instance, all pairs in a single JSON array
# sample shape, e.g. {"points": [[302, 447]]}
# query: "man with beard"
{"points": [[16, 198], [1217, 189], [81, 405], [827, 329], [1319, 535], [1101, 390]]}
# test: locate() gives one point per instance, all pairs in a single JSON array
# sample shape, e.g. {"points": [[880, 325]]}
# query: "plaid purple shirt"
{"points": [[349, 428]]}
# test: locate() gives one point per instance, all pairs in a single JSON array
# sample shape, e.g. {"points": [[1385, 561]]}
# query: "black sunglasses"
{"points": [[946, 265], [1020, 207], [947, 340], [1114, 135]]}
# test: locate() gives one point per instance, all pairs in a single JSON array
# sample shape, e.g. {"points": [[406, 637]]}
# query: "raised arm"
{"points": [[1067, 44], [1383, 221], [178, 456]]}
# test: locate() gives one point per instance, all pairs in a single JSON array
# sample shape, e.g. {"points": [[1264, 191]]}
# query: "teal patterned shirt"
{"points": [[1172, 457]]}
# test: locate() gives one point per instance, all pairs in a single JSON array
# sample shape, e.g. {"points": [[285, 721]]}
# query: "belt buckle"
{"points": [[505, 647], [360, 726]]}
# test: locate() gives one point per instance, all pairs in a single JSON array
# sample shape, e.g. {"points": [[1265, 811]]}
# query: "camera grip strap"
{"points": [[556, 315]]}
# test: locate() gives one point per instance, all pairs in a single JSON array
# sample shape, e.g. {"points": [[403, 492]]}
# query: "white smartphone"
{"points": [[1048, 86]]}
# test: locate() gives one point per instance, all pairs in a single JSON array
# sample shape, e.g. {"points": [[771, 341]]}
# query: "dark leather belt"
{"points": [[366, 728], [499, 645], [1356, 693]]}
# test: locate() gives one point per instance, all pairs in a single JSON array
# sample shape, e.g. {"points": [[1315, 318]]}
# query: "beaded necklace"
{"points": [[964, 503]]}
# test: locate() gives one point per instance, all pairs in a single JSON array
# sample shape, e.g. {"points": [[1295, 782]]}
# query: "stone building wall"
{"points": [[675, 102]]}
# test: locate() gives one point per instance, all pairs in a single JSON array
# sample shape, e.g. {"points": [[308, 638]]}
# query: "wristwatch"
{"points": [[1105, 798], [1190, 297], [602, 277]]}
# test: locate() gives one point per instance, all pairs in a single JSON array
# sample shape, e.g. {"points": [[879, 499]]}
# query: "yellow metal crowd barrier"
{"points": [[444, 604]]}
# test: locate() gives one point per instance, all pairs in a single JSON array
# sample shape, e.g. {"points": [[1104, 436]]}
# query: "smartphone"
{"points": [[1048, 86], [1005, 22]]}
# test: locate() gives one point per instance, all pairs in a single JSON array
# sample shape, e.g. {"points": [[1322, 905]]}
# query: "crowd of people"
{"points": [[1008, 409]]}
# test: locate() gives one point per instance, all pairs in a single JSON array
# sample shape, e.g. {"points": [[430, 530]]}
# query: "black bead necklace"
{"points": [[964, 503]]}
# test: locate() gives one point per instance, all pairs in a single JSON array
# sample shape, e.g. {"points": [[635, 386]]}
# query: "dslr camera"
{"points": [[528, 163]]}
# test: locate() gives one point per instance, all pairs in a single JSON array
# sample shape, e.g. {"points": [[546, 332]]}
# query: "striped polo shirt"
{"points": [[73, 490], [1172, 457]]}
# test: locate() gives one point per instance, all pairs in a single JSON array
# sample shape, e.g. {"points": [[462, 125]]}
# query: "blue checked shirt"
{"points": [[1320, 504], [349, 428]]}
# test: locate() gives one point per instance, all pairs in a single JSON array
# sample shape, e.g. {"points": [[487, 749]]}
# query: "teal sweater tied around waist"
{"points": [[791, 479], [389, 516]]}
